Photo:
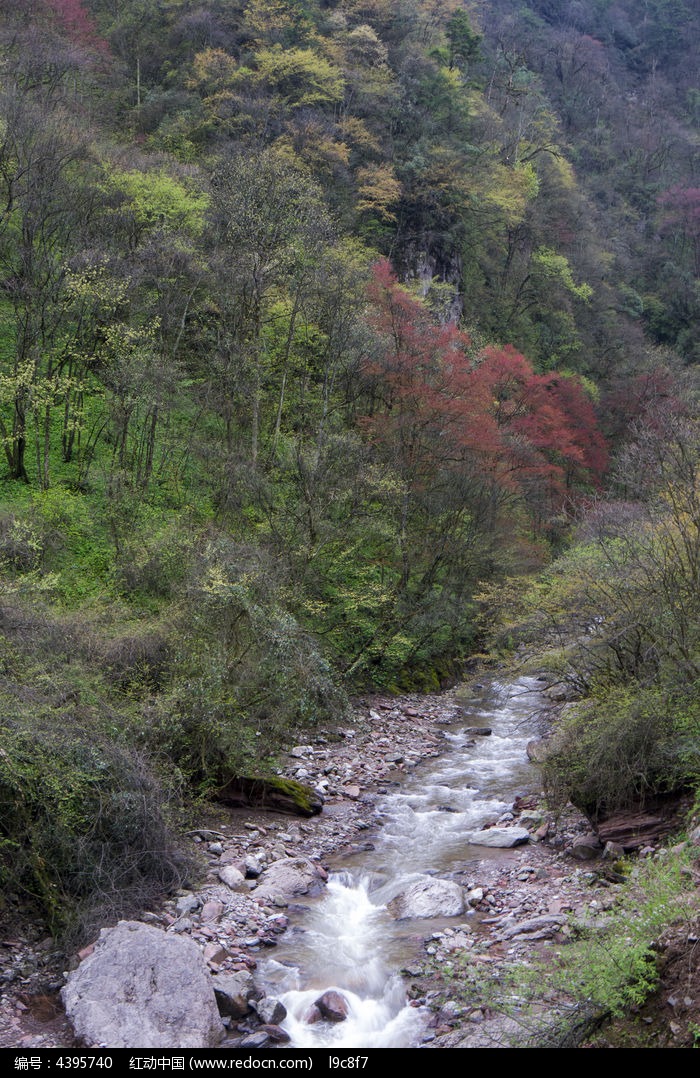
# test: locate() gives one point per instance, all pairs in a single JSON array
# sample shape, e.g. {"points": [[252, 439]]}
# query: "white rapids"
{"points": [[348, 941]]}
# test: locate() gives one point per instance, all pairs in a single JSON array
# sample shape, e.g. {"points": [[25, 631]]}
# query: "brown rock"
{"points": [[276, 1033], [632, 830], [212, 911], [215, 954], [585, 847], [332, 1006]]}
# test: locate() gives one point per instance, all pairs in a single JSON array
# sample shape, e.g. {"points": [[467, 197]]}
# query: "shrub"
{"points": [[246, 674], [621, 746], [83, 828]]}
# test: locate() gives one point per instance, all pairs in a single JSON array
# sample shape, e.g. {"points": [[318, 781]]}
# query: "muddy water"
{"points": [[347, 941]]}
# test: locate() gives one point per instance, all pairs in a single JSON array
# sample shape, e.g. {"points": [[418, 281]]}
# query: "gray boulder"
{"points": [[234, 991], [233, 878], [428, 896], [143, 988], [270, 1010], [586, 847], [500, 837], [289, 877]]}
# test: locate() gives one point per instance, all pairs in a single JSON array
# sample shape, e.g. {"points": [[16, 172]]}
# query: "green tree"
{"points": [[45, 190], [271, 225]]}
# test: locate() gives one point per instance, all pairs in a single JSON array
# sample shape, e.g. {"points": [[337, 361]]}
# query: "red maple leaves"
{"points": [[434, 405], [78, 24]]}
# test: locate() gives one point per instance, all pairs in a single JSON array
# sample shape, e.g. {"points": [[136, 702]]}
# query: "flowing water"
{"points": [[348, 941]]}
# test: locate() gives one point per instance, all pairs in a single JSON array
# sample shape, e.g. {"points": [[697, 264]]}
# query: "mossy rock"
{"points": [[273, 794]]}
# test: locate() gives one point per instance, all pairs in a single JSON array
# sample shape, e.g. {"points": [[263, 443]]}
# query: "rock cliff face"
{"points": [[142, 988]]}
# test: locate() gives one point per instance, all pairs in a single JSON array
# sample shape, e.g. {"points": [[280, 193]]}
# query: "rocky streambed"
{"points": [[391, 788]]}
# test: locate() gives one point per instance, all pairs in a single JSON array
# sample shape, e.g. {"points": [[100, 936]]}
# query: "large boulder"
{"points": [[290, 877], [500, 837], [586, 847], [273, 794], [428, 896], [143, 988]]}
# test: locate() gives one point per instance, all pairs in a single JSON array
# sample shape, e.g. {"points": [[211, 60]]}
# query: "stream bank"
{"points": [[518, 900]]}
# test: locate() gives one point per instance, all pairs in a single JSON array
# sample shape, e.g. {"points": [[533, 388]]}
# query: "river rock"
{"points": [[276, 1033], [259, 1039], [212, 911], [428, 896], [253, 867], [187, 904], [143, 988], [270, 1011], [535, 928], [332, 1006], [500, 837], [289, 877], [585, 847], [232, 877], [233, 992], [537, 750]]}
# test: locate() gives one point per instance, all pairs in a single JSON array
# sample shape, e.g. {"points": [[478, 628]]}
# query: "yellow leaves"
{"points": [[160, 201], [302, 77], [555, 267], [559, 167], [365, 47], [530, 179], [510, 191], [97, 287], [121, 338], [21, 380], [312, 149], [212, 71], [276, 20], [358, 135], [378, 189]]}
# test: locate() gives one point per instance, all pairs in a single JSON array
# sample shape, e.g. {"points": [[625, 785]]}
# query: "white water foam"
{"points": [[345, 942]]}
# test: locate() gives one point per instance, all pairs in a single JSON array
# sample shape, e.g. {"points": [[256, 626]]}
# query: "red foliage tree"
{"points": [[78, 24], [548, 422], [434, 411], [424, 402]]}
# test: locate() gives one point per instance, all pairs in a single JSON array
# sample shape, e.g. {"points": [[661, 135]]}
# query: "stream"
{"points": [[347, 941]]}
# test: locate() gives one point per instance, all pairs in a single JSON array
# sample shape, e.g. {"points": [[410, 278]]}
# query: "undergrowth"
{"points": [[555, 999]]}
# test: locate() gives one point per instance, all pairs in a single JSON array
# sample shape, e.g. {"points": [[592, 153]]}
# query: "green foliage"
{"points": [[603, 970], [622, 747], [189, 384], [463, 41], [159, 201], [624, 603], [617, 969], [555, 268], [84, 826], [248, 675]]}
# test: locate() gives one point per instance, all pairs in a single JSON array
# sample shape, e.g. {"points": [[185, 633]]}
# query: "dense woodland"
{"points": [[324, 327]]}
